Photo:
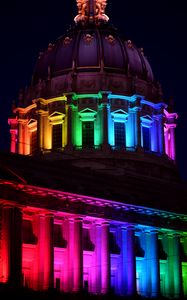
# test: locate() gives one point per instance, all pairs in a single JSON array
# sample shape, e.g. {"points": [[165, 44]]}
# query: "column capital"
{"points": [[8, 205], [105, 223], [130, 227], [49, 214], [78, 219]]}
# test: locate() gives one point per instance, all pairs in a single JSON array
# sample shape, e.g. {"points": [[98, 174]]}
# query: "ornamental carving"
{"points": [[110, 39], [88, 38], [67, 41], [91, 10]]}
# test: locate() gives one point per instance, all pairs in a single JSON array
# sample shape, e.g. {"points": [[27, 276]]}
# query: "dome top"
{"points": [[91, 11], [94, 56], [92, 48]]}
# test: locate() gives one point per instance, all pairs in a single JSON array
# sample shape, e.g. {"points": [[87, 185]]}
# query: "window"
{"points": [[114, 248], [87, 243], [119, 132], [33, 142], [138, 249], [161, 253], [146, 138], [59, 241], [28, 237], [88, 134], [57, 136]]}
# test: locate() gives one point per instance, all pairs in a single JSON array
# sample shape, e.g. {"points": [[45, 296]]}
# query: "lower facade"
{"points": [[44, 248]]}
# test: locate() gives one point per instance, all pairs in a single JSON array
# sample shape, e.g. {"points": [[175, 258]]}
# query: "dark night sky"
{"points": [[159, 26]]}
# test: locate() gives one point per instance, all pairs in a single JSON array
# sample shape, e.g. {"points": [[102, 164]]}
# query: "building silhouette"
{"points": [[91, 197]]}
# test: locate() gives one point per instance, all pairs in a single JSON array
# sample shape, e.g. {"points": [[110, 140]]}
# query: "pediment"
{"points": [[56, 114], [120, 112], [147, 118], [87, 111], [32, 121]]}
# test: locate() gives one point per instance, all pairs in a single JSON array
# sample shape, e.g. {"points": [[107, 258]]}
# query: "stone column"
{"points": [[40, 130], [105, 258], [69, 128], [20, 137], [147, 264], [154, 264], [47, 132], [138, 129], [172, 142], [13, 135], [131, 259], [12, 245], [105, 106], [70, 250], [170, 277], [177, 267], [48, 254], [124, 262], [78, 255], [39, 231], [97, 282], [161, 134], [105, 110]]}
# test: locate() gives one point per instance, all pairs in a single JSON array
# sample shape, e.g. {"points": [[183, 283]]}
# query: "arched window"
{"points": [[87, 117], [56, 121], [33, 142], [120, 118], [88, 134], [57, 136], [146, 136], [32, 126], [120, 134]]}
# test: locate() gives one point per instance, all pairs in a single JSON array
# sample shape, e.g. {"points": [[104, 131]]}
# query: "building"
{"points": [[91, 198]]}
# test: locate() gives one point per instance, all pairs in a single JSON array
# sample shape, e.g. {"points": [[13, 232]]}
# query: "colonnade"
{"points": [[11, 268]]}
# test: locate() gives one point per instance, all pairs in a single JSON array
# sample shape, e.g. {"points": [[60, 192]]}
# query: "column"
{"points": [[177, 267], [20, 137], [97, 282], [170, 277], [40, 130], [13, 136], [172, 142], [47, 129], [131, 261], [78, 255], [124, 262], [70, 250], [69, 128], [161, 135], [48, 254], [105, 107], [154, 264], [138, 127], [26, 136], [39, 230], [147, 264], [105, 258], [12, 245], [166, 141]]}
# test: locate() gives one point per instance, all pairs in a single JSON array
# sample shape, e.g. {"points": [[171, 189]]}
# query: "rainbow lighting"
{"points": [[153, 132], [93, 122], [69, 250]]}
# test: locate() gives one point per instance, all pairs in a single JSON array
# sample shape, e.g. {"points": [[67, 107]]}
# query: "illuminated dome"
{"points": [[90, 48], [93, 56], [93, 90]]}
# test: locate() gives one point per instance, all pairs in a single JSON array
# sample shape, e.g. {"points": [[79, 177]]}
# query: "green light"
{"points": [[84, 96]]}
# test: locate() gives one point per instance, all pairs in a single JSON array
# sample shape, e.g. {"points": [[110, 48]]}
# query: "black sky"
{"points": [[159, 26]]}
